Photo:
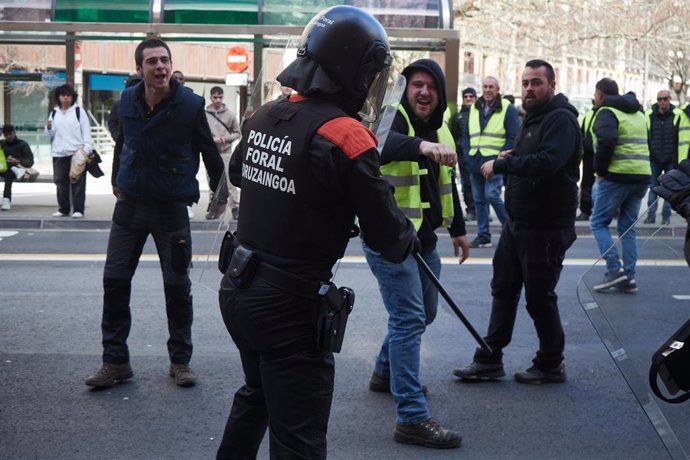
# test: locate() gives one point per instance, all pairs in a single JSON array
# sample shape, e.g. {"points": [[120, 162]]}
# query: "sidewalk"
{"points": [[33, 204]]}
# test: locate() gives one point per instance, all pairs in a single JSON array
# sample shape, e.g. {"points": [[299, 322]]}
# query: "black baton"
{"points": [[450, 302]]}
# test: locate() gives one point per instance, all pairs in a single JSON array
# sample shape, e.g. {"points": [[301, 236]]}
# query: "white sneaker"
{"points": [[77, 215], [58, 214], [6, 204], [190, 213]]}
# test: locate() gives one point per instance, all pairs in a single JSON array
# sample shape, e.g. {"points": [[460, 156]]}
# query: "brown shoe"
{"points": [[108, 374], [182, 374]]}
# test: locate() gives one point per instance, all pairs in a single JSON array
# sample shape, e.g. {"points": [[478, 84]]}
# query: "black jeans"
{"points": [[533, 257], [133, 221], [9, 178], [288, 383], [69, 196]]}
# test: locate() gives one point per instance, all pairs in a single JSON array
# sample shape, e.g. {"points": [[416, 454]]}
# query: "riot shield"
{"points": [[278, 54], [634, 321]]}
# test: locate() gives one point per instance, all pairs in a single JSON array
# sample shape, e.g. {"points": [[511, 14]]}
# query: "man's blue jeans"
{"points": [[487, 193], [609, 198], [657, 169], [411, 301]]}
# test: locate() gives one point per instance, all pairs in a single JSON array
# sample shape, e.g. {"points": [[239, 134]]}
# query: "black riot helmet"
{"points": [[342, 51]]}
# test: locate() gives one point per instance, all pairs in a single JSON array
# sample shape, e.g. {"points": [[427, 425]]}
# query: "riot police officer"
{"points": [[307, 167]]}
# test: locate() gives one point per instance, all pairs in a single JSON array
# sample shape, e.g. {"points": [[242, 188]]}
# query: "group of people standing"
{"points": [[307, 167]]}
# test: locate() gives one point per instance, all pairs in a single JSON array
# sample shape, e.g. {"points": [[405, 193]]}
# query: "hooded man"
{"points": [[418, 159], [621, 163], [541, 199]]}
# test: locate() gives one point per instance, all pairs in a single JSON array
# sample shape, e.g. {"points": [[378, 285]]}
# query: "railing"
{"points": [[102, 140]]}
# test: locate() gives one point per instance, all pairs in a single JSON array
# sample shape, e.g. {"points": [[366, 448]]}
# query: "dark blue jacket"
{"points": [[663, 136], [157, 154]]}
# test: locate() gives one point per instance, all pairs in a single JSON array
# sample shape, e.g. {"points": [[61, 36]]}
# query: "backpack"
{"points": [[52, 114]]}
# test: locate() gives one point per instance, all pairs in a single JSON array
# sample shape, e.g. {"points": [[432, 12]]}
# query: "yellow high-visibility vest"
{"points": [[490, 141], [631, 153], [405, 177]]}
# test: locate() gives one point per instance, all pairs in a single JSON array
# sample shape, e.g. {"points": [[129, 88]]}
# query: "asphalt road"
{"points": [[50, 341]]}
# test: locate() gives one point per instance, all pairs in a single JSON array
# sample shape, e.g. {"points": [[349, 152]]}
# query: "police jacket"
{"points": [[306, 170], [621, 153], [663, 134], [543, 170], [157, 154]]}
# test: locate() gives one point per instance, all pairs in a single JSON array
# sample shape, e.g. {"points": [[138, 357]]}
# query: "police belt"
{"points": [[287, 281]]}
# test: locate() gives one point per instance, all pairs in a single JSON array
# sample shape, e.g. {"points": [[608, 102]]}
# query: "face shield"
{"points": [[373, 103]]}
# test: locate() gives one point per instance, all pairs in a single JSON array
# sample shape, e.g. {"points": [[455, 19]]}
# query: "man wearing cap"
{"points": [[458, 128], [17, 153]]}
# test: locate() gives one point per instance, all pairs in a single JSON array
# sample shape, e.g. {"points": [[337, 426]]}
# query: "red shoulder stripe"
{"points": [[348, 135]]}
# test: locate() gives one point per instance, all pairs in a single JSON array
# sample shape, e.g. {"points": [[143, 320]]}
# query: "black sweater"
{"points": [[543, 170]]}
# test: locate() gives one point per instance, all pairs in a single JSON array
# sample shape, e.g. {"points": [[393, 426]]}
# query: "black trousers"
{"points": [[70, 197], [531, 257], [288, 383], [9, 178], [587, 181], [133, 222]]}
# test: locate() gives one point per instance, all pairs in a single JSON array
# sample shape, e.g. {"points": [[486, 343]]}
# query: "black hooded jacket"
{"points": [[543, 170], [401, 147]]}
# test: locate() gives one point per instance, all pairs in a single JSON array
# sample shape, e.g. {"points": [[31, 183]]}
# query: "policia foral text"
{"points": [[307, 167]]}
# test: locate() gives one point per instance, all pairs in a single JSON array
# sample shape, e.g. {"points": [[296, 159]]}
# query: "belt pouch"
{"points": [[242, 267]]}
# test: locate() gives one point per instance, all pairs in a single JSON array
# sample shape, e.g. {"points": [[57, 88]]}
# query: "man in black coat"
{"points": [[541, 199], [662, 125]]}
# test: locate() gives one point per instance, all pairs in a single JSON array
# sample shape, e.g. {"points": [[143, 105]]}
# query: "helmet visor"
{"points": [[373, 104]]}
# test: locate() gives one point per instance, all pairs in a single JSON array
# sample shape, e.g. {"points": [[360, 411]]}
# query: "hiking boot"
{"points": [[535, 375], [629, 286], [650, 219], [428, 434], [183, 375], [480, 242], [480, 371], [108, 374], [582, 216], [380, 384], [611, 279]]}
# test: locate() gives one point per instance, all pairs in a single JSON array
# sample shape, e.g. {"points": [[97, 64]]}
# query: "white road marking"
{"points": [[25, 257]]}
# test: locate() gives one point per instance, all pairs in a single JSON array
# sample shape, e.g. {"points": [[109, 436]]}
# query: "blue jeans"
{"points": [[657, 169], [487, 193], [609, 198], [411, 301]]}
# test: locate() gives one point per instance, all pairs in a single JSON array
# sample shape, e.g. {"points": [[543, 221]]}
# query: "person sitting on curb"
{"points": [[17, 153]]}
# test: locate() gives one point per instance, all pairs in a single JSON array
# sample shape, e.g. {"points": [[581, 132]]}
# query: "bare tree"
{"points": [[633, 34]]}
